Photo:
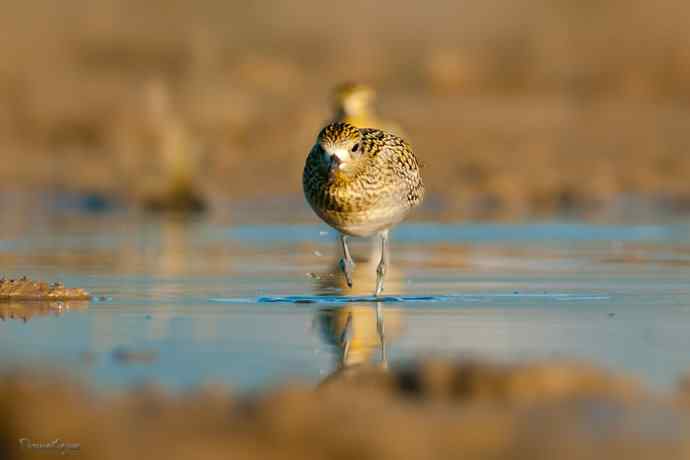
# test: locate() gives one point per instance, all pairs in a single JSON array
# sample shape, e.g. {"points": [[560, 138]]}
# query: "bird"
{"points": [[362, 182], [160, 150], [353, 103]]}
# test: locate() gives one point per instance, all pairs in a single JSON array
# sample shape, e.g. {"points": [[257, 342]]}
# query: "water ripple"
{"points": [[338, 299]]}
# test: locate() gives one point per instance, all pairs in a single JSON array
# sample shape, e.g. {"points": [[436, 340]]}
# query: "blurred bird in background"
{"points": [[161, 154], [354, 103]]}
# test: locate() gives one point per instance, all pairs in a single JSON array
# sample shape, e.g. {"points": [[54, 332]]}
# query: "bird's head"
{"points": [[341, 144], [353, 99]]}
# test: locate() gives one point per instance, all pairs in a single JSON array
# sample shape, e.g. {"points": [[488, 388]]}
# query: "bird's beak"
{"points": [[336, 160], [335, 163], [334, 166]]}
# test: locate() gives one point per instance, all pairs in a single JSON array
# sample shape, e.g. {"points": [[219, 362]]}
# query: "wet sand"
{"points": [[432, 409], [515, 108]]}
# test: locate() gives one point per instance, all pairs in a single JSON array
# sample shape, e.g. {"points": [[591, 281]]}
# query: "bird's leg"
{"points": [[382, 333], [383, 263], [347, 265]]}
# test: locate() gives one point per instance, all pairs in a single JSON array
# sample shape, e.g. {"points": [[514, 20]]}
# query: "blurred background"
{"points": [[516, 108], [567, 121]]}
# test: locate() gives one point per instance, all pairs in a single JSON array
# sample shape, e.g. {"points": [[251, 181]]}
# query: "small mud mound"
{"points": [[125, 356], [25, 289], [474, 381]]}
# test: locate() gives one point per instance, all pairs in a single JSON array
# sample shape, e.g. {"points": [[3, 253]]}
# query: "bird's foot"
{"points": [[347, 266]]}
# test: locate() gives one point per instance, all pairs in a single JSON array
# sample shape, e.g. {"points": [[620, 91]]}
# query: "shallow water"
{"points": [[254, 303]]}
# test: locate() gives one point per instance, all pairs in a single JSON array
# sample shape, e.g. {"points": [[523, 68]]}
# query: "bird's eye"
{"points": [[355, 147]]}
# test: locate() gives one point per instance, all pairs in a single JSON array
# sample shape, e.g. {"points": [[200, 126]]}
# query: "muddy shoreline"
{"points": [[512, 115], [428, 409]]}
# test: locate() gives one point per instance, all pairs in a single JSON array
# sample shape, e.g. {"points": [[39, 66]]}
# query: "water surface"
{"points": [[253, 303]]}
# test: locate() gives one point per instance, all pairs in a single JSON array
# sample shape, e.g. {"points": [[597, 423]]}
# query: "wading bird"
{"points": [[353, 103], [361, 182]]}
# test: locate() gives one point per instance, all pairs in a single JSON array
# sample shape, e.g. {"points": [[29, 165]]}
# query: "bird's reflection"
{"points": [[360, 332]]}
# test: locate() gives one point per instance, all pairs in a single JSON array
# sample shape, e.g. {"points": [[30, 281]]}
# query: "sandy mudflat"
{"points": [[432, 410], [515, 107]]}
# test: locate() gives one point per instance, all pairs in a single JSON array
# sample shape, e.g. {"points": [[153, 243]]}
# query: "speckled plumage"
{"points": [[361, 181], [375, 192]]}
